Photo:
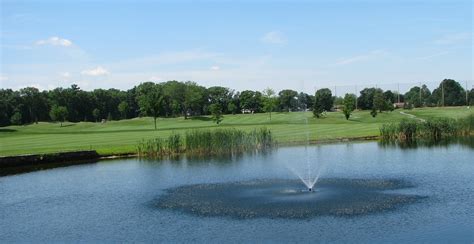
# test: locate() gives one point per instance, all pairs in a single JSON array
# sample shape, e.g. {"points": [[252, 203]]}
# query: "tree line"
{"points": [[174, 98]]}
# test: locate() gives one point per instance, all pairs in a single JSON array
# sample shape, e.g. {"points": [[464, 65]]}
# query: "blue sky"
{"points": [[240, 44]]}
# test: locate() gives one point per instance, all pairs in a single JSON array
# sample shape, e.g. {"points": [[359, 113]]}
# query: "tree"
{"points": [[10, 104], [417, 96], [34, 103], [287, 99], [106, 101], [323, 101], [251, 100], [366, 98], [231, 107], [96, 114], [373, 112], [16, 118], [471, 97], [216, 112], [123, 109], [338, 101], [426, 99], [349, 105], [195, 98], [305, 101], [173, 98], [150, 99], [390, 97], [379, 102], [449, 93], [58, 113], [221, 95], [269, 101]]}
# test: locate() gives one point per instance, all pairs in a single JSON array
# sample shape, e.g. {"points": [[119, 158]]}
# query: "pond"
{"points": [[366, 192]]}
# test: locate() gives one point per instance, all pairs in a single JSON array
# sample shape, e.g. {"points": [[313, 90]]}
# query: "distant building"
{"points": [[398, 105]]}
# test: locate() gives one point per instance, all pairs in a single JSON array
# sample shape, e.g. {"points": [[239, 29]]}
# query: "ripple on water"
{"points": [[287, 198]]}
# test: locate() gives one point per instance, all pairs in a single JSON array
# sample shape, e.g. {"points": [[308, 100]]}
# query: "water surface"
{"points": [[120, 200]]}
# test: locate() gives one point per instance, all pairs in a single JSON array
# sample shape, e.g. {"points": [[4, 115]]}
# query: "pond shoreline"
{"points": [[17, 164]]}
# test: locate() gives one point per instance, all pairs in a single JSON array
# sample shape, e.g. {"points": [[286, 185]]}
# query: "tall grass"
{"points": [[435, 128], [159, 147], [207, 142]]}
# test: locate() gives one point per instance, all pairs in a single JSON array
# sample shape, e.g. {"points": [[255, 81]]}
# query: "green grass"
{"points": [[122, 136]]}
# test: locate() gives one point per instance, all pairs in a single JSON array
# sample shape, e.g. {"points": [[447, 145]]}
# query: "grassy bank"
{"points": [[123, 136]]}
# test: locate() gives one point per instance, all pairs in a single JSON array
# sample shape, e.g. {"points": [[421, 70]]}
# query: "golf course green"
{"points": [[117, 137]]}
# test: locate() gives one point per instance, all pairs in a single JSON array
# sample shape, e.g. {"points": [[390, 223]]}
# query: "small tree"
{"points": [[269, 101], [389, 106], [323, 101], [58, 113], [216, 112], [96, 114], [373, 112], [16, 118], [379, 101], [123, 109], [150, 99], [231, 107], [349, 103]]}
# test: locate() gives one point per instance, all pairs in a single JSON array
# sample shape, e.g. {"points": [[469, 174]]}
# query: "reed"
{"points": [[389, 131], [207, 142], [435, 128], [159, 147]]}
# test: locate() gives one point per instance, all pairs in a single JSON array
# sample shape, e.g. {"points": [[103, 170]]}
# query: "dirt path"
{"points": [[413, 117]]}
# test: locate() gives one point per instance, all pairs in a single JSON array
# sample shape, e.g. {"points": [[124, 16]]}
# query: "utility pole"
{"points": [[356, 95], [398, 93], [421, 102], [467, 99], [442, 94]]}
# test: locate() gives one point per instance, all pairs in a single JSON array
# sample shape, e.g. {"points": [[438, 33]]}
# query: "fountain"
{"points": [[284, 198], [307, 170]]}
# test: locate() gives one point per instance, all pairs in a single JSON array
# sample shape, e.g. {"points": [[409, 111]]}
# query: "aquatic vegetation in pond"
{"points": [[207, 142]]}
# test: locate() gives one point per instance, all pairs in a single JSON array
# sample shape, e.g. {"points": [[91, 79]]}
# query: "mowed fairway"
{"points": [[122, 136]]}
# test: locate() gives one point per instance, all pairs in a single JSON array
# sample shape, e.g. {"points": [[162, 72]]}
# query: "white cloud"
{"points": [[98, 71], [3, 78], [360, 58], [215, 68], [273, 37], [55, 41], [454, 38]]}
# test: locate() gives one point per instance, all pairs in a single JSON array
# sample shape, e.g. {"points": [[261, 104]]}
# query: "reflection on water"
{"points": [[467, 141], [221, 159]]}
